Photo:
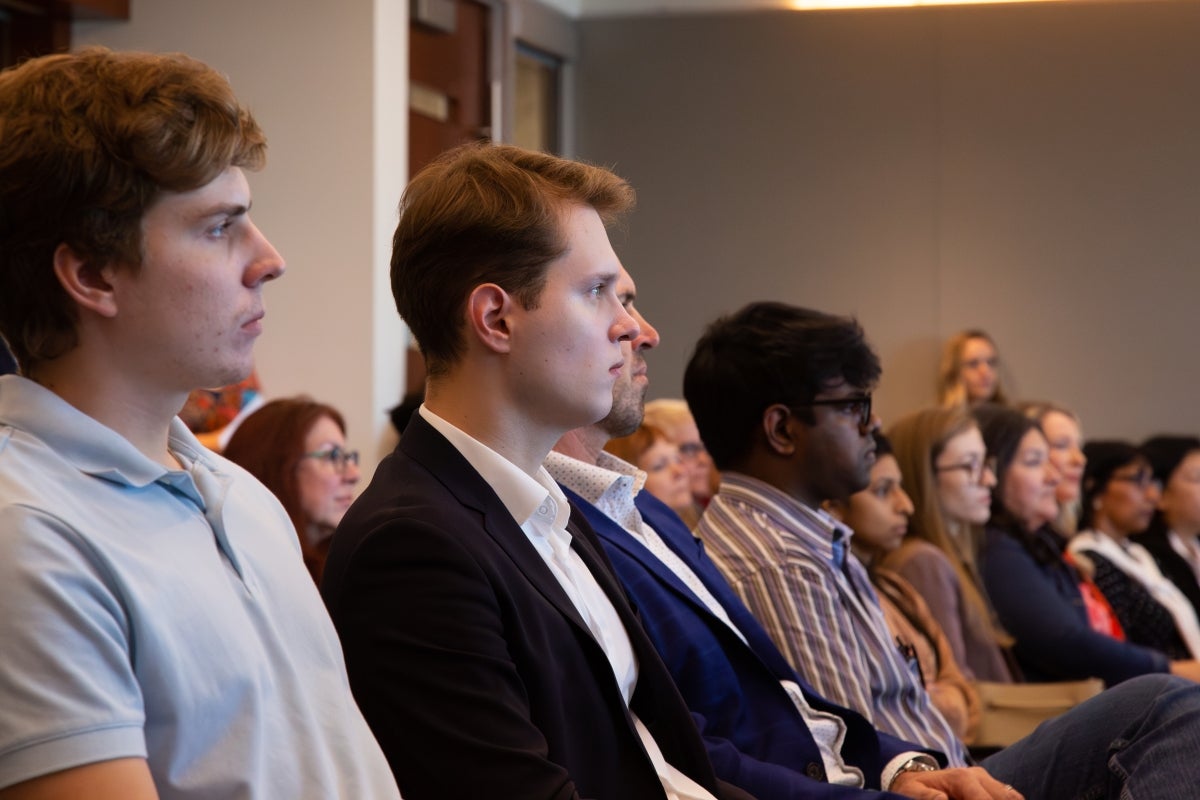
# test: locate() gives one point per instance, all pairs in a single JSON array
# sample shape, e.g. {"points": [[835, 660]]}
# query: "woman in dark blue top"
{"points": [[1035, 592]]}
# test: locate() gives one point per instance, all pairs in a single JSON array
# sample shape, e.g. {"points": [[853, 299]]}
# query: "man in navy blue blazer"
{"points": [[765, 729]]}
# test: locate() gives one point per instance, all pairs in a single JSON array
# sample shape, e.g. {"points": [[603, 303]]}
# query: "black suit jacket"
{"points": [[469, 661]]}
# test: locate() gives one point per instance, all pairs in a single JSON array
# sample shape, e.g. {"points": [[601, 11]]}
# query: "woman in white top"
{"points": [[1173, 537], [1120, 493]]}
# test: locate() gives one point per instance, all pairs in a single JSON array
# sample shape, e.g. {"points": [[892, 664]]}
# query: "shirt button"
{"points": [[544, 510], [815, 771]]}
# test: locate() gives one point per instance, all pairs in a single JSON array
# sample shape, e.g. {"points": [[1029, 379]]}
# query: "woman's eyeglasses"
{"points": [[1143, 479], [338, 458], [975, 468]]}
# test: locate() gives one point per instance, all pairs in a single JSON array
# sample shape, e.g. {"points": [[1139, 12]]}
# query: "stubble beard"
{"points": [[628, 409]]}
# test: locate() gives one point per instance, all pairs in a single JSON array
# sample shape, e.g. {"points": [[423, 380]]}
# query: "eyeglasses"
{"points": [[974, 468], [858, 405], [1143, 479], [336, 457]]}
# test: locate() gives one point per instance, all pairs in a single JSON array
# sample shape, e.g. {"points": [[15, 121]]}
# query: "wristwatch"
{"points": [[918, 763]]}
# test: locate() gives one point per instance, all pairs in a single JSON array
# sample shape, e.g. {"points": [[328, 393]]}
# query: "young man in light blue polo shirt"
{"points": [[161, 637]]}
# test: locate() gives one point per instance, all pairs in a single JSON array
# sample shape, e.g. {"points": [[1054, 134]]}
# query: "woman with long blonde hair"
{"points": [[949, 478], [969, 373]]}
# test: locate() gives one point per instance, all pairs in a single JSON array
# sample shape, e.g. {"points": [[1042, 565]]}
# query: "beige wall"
{"points": [[1032, 170], [326, 79]]}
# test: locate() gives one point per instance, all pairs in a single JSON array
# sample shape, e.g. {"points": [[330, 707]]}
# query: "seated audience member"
{"points": [[490, 646], [297, 448], [648, 449], [879, 516], [970, 371], [673, 417], [1062, 626], [765, 729], [946, 471], [782, 398], [1065, 438], [806, 380], [158, 639], [1173, 537], [1119, 496]]}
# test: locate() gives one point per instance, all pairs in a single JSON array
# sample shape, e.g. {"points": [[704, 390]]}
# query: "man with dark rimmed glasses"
{"points": [[781, 396]]}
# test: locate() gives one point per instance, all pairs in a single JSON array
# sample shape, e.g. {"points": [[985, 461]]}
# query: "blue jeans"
{"points": [[1139, 740]]}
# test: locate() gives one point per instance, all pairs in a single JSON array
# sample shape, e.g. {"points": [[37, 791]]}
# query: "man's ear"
{"points": [[488, 309], [780, 429], [86, 284]]}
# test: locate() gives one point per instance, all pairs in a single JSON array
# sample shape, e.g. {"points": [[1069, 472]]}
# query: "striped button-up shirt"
{"points": [[792, 568]]}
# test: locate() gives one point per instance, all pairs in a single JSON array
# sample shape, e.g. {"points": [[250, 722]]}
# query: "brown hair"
{"points": [[951, 391], [632, 447], [484, 213], [917, 441], [1037, 410], [88, 142], [269, 445]]}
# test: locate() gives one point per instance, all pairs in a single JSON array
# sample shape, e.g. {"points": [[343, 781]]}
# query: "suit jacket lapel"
{"points": [[610, 531], [423, 443]]}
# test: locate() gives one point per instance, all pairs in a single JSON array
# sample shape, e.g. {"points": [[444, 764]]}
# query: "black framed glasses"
{"points": [[338, 458], [1143, 479], [974, 467], [858, 405]]}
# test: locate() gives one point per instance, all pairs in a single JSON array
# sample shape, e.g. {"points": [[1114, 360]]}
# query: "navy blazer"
{"points": [[755, 736], [470, 663]]}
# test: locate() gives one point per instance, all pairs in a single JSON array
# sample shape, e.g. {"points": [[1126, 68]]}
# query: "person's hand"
{"points": [[1186, 669], [969, 783]]}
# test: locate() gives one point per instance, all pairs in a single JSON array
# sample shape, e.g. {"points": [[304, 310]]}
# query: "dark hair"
{"points": [[484, 213], [883, 445], [1104, 457], [1003, 429], [269, 445], [402, 413], [769, 353], [88, 142], [1165, 454]]}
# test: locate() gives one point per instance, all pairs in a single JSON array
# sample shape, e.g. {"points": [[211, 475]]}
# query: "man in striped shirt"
{"points": [[782, 399]]}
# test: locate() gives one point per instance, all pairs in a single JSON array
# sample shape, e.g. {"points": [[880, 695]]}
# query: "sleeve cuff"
{"points": [[892, 768]]}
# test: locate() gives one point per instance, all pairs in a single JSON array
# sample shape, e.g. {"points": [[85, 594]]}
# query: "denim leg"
{"points": [[1139, 740]]}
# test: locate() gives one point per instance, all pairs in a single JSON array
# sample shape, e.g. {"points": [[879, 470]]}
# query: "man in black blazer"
{"points": [[488, 644]]}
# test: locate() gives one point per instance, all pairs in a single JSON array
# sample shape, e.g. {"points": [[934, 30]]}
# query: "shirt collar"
{"points": [[594, 482], [520, 493], [812, 524], [94, 448]]}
